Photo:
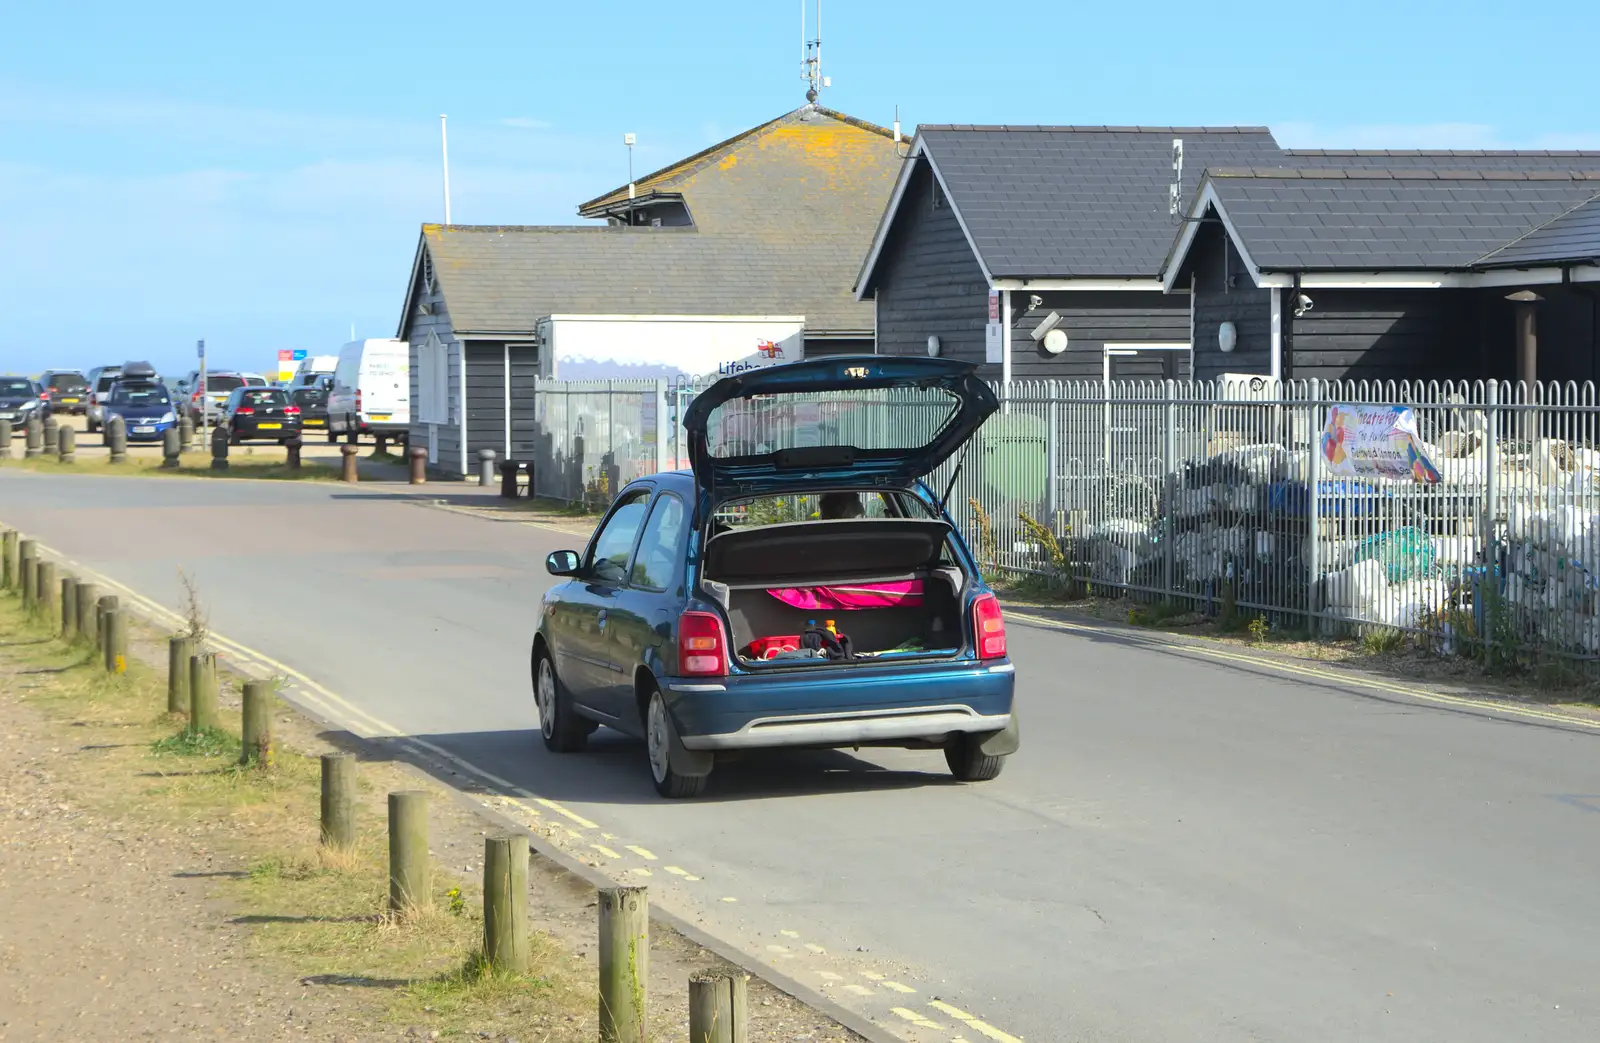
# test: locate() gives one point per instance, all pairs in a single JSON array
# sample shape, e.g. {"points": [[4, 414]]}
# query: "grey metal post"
{"points": [[662, 418], [219, 449], [185, 432], [486, 467], [171, 448], [51, 434], [1491, 487], [67, 444], [33, 437], [1313, 505], [1052, 453], [1169, 466]]}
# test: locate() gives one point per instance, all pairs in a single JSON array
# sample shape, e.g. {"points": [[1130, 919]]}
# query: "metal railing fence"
{"points": [[1217, 497]]}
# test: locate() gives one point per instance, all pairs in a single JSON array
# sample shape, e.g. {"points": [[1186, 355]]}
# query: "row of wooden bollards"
{"points": [[717, 1007]]}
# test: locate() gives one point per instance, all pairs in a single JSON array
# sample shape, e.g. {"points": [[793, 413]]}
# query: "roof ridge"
{"points": [[435, 228], [1509, 153], [1091, 129], [1399, 174]]}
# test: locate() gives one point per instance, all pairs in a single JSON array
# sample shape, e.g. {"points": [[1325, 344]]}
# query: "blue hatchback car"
{"points": [[799, 587], [145, 407]]}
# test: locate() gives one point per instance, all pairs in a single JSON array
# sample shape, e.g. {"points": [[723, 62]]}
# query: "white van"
{"points": [[371, 391]]}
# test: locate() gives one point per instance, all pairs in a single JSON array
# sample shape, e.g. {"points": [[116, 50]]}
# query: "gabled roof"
{"points": [[1305, 220], [1571, 238], [809, 123], [503, 280], [1070, 202]]}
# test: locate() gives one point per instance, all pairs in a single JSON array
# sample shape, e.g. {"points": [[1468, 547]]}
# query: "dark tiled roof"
{"points": [[1574, 236], [1309, 219], [505, 279], [1078, 201], [1446, 159]]}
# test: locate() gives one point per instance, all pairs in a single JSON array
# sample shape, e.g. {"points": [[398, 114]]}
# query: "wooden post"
{"points": [[291, 454], [44, 586], [8, 551], [88, 606], [179, 648], [202, 691], [624, 963], [718, 1011], [185, 433], [51, 434], [347, 469], [505, 902], [338, 801], [67, 444], [116, 642], [419, 464], [410, 888], [256, 733], [27, 554], [69, 607], [32, 438], [117, 439], [107, 603], [6, 435]]}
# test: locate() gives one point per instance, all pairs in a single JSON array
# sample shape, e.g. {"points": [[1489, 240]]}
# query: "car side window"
{"points": [[608, 556], [656, 563]]}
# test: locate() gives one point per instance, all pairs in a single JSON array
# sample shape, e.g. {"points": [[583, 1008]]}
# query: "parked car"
{"points": [[313, 402], [697, 616], [99, 380], [219, 384], [145, 406], [21, 399], [260, 413], [313, 369], [68, 389], [371, 391]]}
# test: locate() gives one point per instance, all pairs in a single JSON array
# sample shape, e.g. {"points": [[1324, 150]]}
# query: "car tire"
{"points": [[560, 726], [659, 739], [234, 439], [333, 439], [968, 762]]}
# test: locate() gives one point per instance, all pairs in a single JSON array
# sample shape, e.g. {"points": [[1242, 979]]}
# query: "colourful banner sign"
{"points": [[1376, 442]]}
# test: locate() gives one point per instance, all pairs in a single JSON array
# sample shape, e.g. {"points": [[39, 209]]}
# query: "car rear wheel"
{"points": [[968, 762], [562, 729], [659, 740]]}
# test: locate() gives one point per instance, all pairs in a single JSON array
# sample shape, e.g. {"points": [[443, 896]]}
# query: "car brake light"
{"points": [[702, 646], [44, 396], [358, 400], [245, 411], [292, 411], [988, 627]]}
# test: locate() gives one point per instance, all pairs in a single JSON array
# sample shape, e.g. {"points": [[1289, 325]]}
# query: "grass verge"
{"points": [[318, 915]]}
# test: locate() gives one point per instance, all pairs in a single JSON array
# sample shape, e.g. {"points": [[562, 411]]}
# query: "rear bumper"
{"points": [[841, 706]]}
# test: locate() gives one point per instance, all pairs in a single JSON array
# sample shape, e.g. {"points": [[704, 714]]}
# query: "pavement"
{"points": [[1186, 848]]}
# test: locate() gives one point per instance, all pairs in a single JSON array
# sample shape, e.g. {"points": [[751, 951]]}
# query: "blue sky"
{"points": [[255, 174]]}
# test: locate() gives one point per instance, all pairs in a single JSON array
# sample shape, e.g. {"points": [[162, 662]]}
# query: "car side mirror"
{"points": [[563, 563]]}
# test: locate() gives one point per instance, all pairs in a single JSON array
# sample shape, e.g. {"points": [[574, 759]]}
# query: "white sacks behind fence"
{"points": [[1362, 593], [1551, 569]]}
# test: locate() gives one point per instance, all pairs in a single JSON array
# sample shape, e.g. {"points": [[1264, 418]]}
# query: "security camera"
{"points": [[1302, 304], [1035, 301]]}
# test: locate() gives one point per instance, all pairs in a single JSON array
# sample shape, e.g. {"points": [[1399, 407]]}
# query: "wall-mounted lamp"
{"points": [[933, 346], [1055, 341], [1227, 337]]}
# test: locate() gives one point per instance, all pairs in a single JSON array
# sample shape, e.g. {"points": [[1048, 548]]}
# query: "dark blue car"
{"points": [[799, 587], [145, 406]]}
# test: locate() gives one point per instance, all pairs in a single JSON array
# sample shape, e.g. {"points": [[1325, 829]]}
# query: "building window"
{"points": [[433, 381]]}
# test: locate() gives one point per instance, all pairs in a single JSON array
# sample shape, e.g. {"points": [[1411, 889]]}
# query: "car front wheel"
{"points": [[562, 729], [969, 763], [659, 740]]}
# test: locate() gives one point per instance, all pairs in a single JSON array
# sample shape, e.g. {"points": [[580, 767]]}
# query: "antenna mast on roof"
{"points": [[811, 56], [1175, 192]]}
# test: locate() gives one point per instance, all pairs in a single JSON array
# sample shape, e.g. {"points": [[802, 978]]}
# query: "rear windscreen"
{"points": [[16, 387], [147, 395], [310, 397], [106, 380], [881, 418], [225, 382], [68, 382], [265, 397]]}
